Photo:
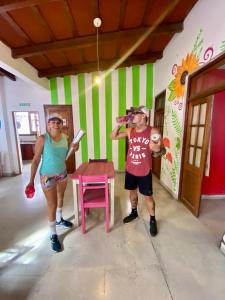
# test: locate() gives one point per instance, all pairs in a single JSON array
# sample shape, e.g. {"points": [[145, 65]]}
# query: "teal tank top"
{"points": [[53, 156]]}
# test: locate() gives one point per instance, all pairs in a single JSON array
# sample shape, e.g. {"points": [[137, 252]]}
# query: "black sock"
{"points": [[152, 218], [134, 210]]}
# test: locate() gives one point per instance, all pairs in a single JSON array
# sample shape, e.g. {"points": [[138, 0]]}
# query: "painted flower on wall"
{"points": [[189, 64], [177, 85], [166, 142], [169, 157]]}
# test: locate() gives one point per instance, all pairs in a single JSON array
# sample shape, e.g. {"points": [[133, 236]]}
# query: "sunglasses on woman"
{"points": [[58, 122]]}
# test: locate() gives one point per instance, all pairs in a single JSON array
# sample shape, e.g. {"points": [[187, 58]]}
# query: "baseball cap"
{"points": [[55, 116], [142, 109]]}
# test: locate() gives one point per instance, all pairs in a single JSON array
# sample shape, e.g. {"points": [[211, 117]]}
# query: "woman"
{"points": [[52, 147]]}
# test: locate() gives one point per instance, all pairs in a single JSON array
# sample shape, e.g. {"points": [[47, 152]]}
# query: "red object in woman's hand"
{"points": [[29, 191]]}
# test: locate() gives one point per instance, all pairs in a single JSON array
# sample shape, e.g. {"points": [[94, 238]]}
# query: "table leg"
{"points": [[112, 200], [76, 203]]}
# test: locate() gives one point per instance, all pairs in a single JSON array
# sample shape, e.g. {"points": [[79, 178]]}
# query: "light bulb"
{"points": [[98, 80]]}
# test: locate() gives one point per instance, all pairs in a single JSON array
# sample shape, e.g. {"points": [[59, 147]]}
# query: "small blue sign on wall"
{"points": [[24, 104]]}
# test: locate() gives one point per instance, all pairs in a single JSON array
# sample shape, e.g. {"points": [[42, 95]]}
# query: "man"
{"points": [[139, 163]]}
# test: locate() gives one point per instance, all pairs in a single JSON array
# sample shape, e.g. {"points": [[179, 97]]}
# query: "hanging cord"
{"points": [[97, 52]]}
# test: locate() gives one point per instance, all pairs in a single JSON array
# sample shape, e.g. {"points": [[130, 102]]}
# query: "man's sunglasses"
{"points": [[137, 113]]}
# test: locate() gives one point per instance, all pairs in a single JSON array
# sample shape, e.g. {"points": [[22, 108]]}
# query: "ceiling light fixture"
{"points": [[97, 23]]}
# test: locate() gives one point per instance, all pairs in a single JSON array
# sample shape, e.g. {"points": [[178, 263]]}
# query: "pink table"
{"points": [[90, 169]]}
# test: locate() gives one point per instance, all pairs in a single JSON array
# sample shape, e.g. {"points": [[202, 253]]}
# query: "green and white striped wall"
{"points": [[96, 107]]}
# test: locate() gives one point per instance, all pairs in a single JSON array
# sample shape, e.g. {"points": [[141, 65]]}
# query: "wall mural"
{"points": [[173, 125], [222, 47]]}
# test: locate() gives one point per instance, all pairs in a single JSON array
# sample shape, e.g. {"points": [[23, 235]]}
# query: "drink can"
{"points": [[125, 119], [155, 137]]}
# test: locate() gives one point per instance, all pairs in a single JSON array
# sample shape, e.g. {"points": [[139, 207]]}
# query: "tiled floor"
{"points": [[182, 262], [212, 215]]}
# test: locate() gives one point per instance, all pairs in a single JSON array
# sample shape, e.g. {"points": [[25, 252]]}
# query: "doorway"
{"points": [[27, 130], [158, 123], [203, 88], [66, 112]]}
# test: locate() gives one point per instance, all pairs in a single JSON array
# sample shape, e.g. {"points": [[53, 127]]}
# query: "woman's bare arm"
{"points": [[36, 159]]}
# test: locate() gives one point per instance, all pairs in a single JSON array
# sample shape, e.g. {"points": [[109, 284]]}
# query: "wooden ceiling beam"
{"points": [[104, 65], [7, 5], [87, 41], [7, 74]]}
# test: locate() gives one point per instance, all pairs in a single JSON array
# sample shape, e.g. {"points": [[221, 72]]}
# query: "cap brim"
{"points": [[55, 118]]}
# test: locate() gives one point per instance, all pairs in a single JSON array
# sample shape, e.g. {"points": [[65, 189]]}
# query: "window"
{"points": [[27, 122]]}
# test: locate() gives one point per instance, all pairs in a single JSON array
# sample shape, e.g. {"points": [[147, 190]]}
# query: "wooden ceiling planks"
{"points": [[109, 12], [56, 34], [134, 14]]}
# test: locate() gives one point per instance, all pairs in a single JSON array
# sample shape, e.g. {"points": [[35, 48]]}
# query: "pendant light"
{"points": [[97, 23]]}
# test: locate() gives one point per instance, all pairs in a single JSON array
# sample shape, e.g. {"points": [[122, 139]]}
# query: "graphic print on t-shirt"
{"points": [[137, 150]]}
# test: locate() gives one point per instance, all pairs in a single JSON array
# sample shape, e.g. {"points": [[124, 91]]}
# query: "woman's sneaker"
{"points": [[64, 223], [55, 243]]}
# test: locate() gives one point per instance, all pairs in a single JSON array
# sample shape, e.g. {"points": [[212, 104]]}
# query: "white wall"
{"points": [[5, 146], [203, 36], [20, 68], [12, 94]]}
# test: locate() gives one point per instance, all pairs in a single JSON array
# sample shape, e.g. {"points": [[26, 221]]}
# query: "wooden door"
{"points": [[66, 112], [196, 146], [158, 123]]}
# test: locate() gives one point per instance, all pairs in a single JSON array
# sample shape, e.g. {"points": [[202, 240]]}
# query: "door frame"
{"points": [[159, 158], [218, 61], [17, 137], [18, 150]]}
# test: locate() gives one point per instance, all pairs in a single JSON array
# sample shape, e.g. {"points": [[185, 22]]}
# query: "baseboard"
{"points": [[222, 247], [11, 174], [212, 197]]}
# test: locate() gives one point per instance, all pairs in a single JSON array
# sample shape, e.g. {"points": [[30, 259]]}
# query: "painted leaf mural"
{"points": [[222, 47], [176, 90], [176, 123], [198, 44], [174, 106], [171, 88]]}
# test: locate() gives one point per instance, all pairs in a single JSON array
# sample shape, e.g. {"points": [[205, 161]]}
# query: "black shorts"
{"points": [[143, 182]]}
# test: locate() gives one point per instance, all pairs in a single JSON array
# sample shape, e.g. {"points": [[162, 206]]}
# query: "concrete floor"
{"points": [[182, 262]]}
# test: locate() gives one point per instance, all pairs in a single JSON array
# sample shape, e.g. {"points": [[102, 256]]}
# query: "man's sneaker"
{"points": [[56, 246], [153, 227], [132, 216], [64, 223]]}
